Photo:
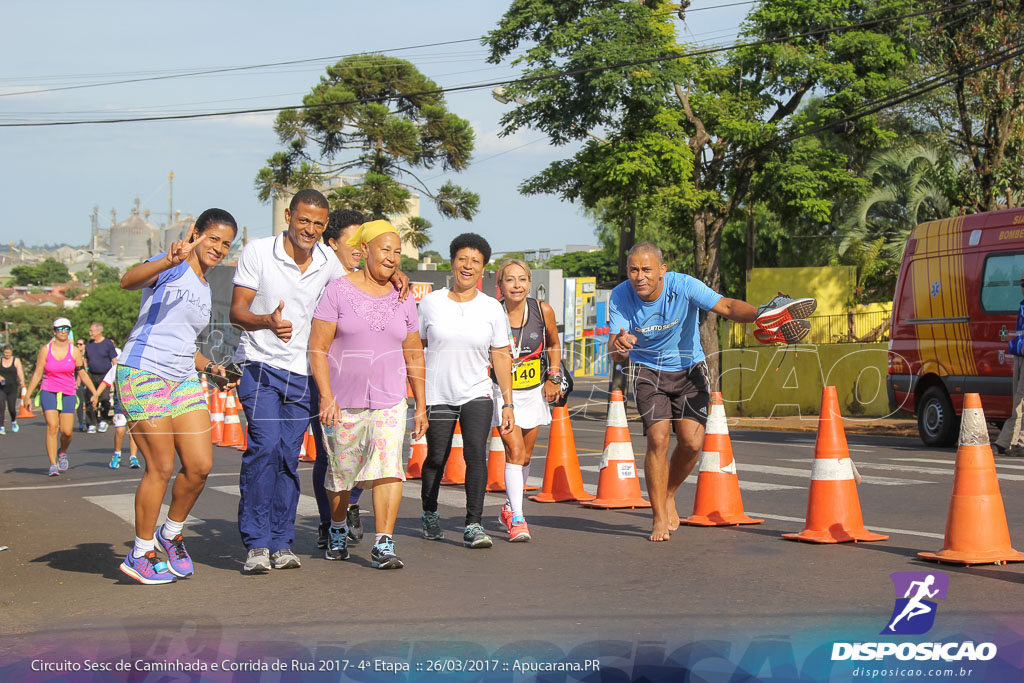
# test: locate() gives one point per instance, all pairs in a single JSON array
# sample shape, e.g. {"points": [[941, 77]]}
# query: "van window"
{"points": [[1000, 283]]}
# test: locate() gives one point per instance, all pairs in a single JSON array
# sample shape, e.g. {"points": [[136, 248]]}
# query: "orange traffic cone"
{"points": [[562, 478], [232, 425], [245, 439], [833, 507], [417, 454], [455, 468], [717, 501], [496, 465], [976, 531], [24, 412], [618, 485], [219, 400], [307, 452]]}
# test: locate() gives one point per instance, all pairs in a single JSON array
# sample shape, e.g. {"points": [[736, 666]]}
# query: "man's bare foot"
{"points": [[660, 532], [672, 517]]}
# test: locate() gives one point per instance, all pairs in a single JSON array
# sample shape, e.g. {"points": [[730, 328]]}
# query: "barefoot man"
{"points": [[655, 315]]}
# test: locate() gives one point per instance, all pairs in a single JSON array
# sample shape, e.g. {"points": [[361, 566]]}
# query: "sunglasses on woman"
{"points": [[62, 328]]}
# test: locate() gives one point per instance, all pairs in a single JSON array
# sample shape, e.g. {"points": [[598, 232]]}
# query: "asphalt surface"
{"points": [[587, 580]]}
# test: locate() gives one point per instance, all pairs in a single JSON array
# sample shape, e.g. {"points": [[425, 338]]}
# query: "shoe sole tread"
{"points": [[129, 571]]}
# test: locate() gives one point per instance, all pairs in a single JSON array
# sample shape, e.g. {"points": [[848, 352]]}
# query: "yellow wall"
{"points": [[832, 286], [769, 380]]}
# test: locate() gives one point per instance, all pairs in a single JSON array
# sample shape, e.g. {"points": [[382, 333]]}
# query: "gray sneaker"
{"points": [[285, 559], [431, 522], [783, 308], [258, 561], [476, 537]]}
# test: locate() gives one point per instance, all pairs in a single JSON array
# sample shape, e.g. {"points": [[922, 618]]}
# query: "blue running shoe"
{"points": [[133, 462], [337, 544], [147, 569], [383, 555], [62, 462], [3, 430], [179, 563], [15, 427], [54, 471], [115, 461]]}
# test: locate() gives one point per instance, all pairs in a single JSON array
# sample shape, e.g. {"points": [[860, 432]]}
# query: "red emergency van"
{"points": [[954, 309]]}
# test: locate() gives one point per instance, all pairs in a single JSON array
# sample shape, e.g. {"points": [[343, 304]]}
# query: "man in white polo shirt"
{"points": [[277, 284]]}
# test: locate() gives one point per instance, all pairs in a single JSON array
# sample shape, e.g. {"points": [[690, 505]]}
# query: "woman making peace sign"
{"points": [[160, 391]]}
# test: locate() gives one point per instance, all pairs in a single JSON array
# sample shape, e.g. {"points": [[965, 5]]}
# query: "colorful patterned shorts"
{"points": [[365, 446], [145, 396]]}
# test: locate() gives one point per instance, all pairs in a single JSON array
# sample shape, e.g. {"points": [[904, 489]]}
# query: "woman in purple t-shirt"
{"points": [[363, 346]]}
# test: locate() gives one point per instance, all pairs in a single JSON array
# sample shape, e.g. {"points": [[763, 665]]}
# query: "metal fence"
{"points": [[843, 328]]}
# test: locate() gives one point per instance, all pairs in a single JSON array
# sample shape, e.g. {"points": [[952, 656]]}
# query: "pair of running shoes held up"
{"points": [[783, 320]]}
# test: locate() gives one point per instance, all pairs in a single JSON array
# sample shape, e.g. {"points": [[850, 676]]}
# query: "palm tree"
{"points": [[909, 186], [418, 232]]}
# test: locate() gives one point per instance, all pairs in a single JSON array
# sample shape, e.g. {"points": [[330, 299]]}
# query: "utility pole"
{"points": [[170, 198]]}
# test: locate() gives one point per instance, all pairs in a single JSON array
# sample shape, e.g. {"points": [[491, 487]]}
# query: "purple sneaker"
{"points": [[180, 564], [62, 462], [147, 569]]}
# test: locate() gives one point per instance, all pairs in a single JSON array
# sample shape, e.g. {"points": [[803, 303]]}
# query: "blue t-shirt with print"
{"points": [[666, 329]]}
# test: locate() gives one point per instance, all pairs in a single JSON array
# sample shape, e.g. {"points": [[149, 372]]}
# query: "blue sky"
{"points": [[53, 176]]}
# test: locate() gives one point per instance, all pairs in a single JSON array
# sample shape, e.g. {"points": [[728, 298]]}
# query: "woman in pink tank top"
{"points": [[57, 363]]}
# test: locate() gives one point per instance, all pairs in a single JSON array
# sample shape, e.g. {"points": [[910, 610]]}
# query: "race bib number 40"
{"points": [[526, 375]]}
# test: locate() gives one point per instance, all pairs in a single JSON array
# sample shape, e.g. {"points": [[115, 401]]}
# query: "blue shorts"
{"points": [[64, 403]]}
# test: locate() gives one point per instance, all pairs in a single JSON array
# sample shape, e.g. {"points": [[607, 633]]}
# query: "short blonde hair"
{"points": [[513, 262]]}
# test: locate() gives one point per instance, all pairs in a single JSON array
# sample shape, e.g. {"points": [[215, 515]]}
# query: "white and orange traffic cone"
{"points": [[218, 403], [562, 477], [976, 530], [24, 412], [417, 454], [455, 468], [833, 506], [717, 501], [618, 485], [232, 424], [307, 452]]}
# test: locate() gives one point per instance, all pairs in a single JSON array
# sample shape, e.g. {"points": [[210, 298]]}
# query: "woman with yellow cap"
{"points": [[363, 346]]}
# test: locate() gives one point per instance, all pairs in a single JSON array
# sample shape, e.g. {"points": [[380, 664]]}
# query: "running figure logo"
{"points": [[914, 613]]}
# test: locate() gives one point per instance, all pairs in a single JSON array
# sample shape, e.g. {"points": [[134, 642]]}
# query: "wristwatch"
{"points": [[555, 377]]}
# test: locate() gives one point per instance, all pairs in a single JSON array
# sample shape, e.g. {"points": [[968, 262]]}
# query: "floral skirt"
{"points": [[365, 446]]}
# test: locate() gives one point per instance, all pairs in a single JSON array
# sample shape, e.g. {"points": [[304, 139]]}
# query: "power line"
{"points": [[518, 81]]}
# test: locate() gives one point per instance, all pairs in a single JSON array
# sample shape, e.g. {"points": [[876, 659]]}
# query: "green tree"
{"points": [[740, 113], [375, 114], [29, 327], [981, 114], [602, 265], [417, 233], [117, 309], [48, 272], [101, 273]]}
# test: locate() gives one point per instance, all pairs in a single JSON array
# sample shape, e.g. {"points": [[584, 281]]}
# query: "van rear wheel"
{"points": [[936, 420]]}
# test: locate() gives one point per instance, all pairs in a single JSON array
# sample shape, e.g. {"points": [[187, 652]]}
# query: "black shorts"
{"points": [[671, 395]]}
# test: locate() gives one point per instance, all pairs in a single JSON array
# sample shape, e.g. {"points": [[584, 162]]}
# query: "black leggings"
{"points": [[9, 395], [475, 419]]}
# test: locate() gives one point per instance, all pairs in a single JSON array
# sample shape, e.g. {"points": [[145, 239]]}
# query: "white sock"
{"points": [[170, 529], [377, 538], [514, 487], [526, 475], [343, 525], [142, 546], [117, 453]]}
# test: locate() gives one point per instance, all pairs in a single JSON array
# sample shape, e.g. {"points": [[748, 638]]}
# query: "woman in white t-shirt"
{"points": [[464, 332]]}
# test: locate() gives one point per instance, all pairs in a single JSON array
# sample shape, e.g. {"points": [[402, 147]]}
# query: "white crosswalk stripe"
{"points": [[918, 469], [806, 474], [999, 465], [692, 480], [123, 505]]}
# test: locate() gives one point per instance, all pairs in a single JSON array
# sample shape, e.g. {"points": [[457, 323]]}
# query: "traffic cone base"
{"points": [[24, 412], [717, 501], [232, 435], [976, 529], [563, 480], [618, 485], [307, 453], [833, 506]]}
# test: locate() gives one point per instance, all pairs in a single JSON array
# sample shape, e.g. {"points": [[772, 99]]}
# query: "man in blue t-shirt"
{"points": [[655, 315], [100, 355]]}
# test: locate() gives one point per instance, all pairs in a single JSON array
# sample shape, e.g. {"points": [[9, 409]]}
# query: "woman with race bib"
{"points": [[536, 382]]}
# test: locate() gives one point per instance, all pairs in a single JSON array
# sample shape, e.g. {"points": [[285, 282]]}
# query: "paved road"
{"points": [[588, 582]]}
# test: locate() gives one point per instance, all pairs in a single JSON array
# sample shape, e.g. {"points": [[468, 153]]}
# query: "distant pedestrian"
{"points": [[120, 421], [160, 393], [100, 356], [57, 364], [464, 332], [12, 381], [83, 392], [1011, 439]]}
